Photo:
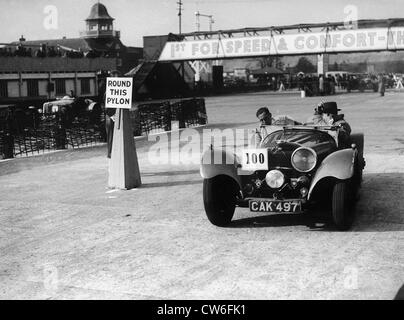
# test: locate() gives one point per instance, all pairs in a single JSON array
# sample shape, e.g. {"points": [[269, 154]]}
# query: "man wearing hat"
{"points": [[326, 114]]}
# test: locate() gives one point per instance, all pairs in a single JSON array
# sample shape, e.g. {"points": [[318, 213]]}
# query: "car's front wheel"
{"points": [[342, 209], [219, 198]]}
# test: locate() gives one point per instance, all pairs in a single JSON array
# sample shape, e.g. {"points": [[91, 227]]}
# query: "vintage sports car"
{"points": [[294, 168]]}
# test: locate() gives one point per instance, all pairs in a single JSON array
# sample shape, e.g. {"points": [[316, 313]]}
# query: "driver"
{"points": [[265, 117]]}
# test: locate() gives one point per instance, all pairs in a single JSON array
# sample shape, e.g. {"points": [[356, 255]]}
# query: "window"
{"points": [[60, 85], [3, 89], [85, 86], [32, 88]]}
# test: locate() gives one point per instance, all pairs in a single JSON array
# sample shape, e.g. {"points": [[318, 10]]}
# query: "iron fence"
{"points": [[25, 133]]}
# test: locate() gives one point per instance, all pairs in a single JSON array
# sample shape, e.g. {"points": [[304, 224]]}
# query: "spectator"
{"points": [[300, 80], [338, 81], [95, 113], [41, 52], [331, 81], [281, 86], [273, 83], [349, 83], [382, 85], [321, 84], [51, 52]]}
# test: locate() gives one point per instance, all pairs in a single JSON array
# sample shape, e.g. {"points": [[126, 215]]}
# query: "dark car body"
{"points": [[295, 167]]}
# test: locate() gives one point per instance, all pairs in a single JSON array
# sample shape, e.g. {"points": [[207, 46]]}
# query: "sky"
{"points": [[138, 18]]}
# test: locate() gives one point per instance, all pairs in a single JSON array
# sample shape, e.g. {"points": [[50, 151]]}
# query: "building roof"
{"points": [[55, 64], [99, 12], [65, 43], [75, 44]]}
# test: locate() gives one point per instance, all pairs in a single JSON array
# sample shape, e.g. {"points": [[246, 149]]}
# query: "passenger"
{"points": [[326, 114]]}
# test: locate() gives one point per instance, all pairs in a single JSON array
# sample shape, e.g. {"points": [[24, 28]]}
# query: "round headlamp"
{"points": [[304, 159], [275, 179]]}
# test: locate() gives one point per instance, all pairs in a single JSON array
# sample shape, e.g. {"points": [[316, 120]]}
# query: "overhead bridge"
{"points": [[321, 38]]}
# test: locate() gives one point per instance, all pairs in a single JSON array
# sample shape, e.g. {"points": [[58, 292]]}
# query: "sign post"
{"points": [[124, 167]]}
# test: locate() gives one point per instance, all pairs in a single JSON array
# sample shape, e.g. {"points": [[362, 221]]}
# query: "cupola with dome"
{"points": [[99, 23]]}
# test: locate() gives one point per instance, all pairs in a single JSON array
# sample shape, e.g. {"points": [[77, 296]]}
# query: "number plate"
{"points": [[255, 159], [286, 206]]}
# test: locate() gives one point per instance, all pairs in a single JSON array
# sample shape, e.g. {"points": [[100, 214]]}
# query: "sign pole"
{"points": [[119, 118]]}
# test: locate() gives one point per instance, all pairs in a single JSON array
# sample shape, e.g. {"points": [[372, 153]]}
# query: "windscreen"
{"points": [[303, 137]]}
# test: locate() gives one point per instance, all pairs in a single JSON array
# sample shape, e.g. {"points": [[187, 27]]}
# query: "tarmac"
{"points": [[65, 235]]}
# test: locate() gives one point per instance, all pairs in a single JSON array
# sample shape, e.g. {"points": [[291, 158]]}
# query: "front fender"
{"points": [[339, 165], [216, 162]]}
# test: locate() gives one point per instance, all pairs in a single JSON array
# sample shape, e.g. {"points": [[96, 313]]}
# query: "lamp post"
{"points": [[198, 22], [179, 14]]}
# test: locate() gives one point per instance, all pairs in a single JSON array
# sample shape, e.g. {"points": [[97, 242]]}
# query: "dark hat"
{"points": [[330, 107]]}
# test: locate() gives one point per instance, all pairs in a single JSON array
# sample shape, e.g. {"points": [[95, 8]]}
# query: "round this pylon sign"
{"points": [[119, 93]]}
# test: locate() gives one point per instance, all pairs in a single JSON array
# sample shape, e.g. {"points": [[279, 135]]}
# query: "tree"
{"points": [[266, 61], [336, 66], [279, 63], [304, 65], [271, 61]]}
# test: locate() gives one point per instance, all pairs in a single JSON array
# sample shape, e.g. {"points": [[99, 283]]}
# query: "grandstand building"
{"points": [[32, 72]]}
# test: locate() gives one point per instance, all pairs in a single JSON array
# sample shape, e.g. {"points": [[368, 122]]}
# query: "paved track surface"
{"points": [[64, 235]]}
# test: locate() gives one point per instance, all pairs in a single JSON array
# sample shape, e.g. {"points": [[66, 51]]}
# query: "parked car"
{"points": [[54, 106], [295, 168], [368, 83]]}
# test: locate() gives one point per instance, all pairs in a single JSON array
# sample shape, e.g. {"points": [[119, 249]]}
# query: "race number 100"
{"points": [[255, 159]]}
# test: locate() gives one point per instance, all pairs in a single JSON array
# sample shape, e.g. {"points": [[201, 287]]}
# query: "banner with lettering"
{"points": [[377, 39]]}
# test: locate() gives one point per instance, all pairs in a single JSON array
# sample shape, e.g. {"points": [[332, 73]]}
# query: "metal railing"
{"points": [[25, 133]]}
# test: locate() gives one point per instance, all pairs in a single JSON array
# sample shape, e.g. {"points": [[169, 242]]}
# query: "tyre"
{"points": [[342, 209], [219, 199]]}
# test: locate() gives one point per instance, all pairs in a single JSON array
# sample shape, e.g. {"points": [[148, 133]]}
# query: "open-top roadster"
{"points": [[293, 168]]}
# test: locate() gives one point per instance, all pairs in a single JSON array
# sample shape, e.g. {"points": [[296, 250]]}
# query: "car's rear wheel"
{"points": [[342, 209], [219, 198]]}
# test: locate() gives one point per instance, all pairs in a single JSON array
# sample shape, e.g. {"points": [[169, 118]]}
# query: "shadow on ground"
{"points": [[379, 209], [312, 221], [170, 184], [170, 173]]}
